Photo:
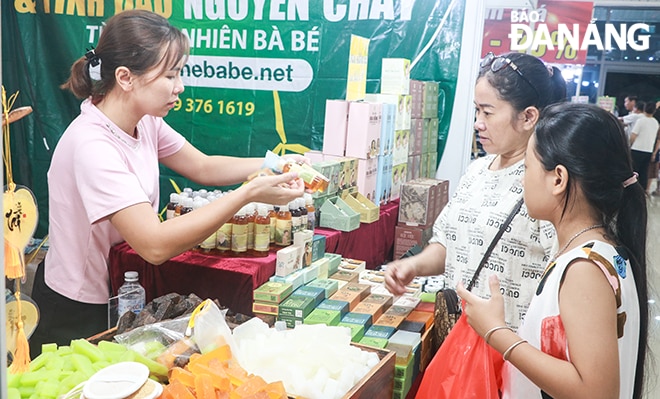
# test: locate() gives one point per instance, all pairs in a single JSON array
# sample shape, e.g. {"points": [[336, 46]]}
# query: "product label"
{"points": [[283, 232], [261, 237], [223, 237], [239, 238]]}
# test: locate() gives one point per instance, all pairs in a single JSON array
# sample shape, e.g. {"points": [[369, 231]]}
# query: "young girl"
{"points": [[585, 333], [103, 181]]}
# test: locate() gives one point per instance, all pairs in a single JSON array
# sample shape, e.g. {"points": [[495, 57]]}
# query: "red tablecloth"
{"points": [[232, 280]]}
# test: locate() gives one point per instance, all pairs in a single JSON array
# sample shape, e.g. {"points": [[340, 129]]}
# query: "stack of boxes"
{"points": [[349, 295], [422, 200], [423, 151]]}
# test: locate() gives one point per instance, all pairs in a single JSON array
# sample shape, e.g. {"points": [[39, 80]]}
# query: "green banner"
{"points": [[258, 74]]}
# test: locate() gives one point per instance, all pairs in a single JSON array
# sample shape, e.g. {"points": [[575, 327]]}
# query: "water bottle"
{"points": [[131, 295]]}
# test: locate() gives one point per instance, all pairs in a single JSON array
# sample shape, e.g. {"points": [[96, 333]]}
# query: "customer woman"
{"points": [[103, 181], [511, 89], [585, 332]]}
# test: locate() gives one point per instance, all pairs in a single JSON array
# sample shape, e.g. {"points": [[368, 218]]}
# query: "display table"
{"points": [[231, 280]]}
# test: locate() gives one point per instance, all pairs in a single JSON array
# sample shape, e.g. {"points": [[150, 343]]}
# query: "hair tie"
{"points": [[94, 64], [631, 180]]}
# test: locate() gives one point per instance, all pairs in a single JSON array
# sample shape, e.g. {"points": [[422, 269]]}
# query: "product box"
{"points": [[442, 192], [389, 320], [401, 143], [363, 319], [424, 165], [412, 326], [387, 129], [321, 267], [406, 301], [399, 174], [372, 277], [367, 177], [403, 104], [378, 331], [323, 316], [347, 171], [314, 157], [296, 279], [291, 322], [318, 247], [364, 290], [316, 293], [352, 265], [296, 306], [398, 311], [288, 260], [344, 275], [303, 240], [330, 286], [385, 300], [332, 304], [372, 309], [432, 134], [335, 127], [357, 331], [310, 273], [333, 262], [405, 237], [272, 292], [416, 143], [383, 180], [265, 308], [395, 76], [369, 212], [422, 317], [417, 206], [433, 164], [336, 214], [374, 342], [363, 130], [331, 170]]}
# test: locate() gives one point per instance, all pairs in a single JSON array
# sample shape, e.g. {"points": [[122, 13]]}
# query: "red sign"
{"points": [[554, 31]]}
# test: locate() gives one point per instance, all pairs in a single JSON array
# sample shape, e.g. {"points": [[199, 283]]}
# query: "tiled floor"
{"points": [[653, 271]]}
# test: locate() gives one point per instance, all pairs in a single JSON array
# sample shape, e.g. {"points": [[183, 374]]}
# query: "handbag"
{"points": [[447, 308]]}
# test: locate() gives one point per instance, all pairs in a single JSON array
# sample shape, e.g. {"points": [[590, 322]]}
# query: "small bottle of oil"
{"points": [[262, 231], [283, 225], [239, 226]]}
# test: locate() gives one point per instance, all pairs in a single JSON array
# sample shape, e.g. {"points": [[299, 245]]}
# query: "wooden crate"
{"points": [[378, 383]]}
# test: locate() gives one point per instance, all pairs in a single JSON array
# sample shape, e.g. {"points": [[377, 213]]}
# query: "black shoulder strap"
{"points": [[497, 237]]}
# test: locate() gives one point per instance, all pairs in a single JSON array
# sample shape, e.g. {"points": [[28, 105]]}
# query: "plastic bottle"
{"points": [[296, 222], [171, 206], [223, 237], [311, 211], [131, 295], [262, 231], [272, 214], [187, 205], [303, 213], [208, 245], [239, 226], [250, 215], [313, 179], [283, 225]]}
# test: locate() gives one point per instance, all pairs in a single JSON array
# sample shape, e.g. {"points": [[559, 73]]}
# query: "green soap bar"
{"points": [[48, 347], [40, 361], [82, 364], [357, 331], [109, 346], [427, 297], [84, 347], [13, 393], [375, 342], [13, 380]]}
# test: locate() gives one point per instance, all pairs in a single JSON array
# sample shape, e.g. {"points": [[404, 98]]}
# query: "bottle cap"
{"points": [[131, 276], [174, 197], [308, 198]]}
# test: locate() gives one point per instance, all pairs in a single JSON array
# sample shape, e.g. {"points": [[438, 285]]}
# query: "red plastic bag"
{"points": [[465, 367]]}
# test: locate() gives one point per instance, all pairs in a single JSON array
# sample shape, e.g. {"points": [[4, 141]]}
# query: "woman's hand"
{"points": [[277, 189], [297, 158], [398, 274], [483, 314]]}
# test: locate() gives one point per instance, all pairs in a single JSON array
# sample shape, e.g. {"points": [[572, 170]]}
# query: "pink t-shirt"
{"points": [[95, 171]]}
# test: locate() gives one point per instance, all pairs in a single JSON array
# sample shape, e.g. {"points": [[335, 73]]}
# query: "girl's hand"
{"points": [[483, 314]]}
